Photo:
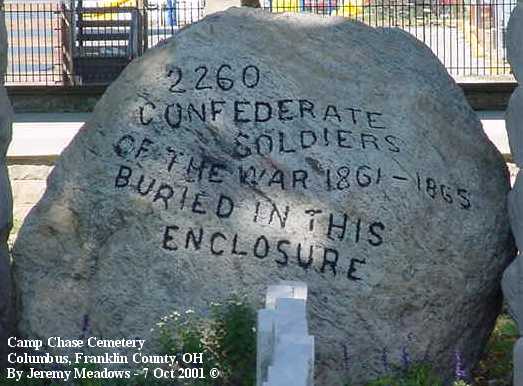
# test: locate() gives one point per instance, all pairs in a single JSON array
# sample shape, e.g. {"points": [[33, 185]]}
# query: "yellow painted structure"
{"points": [[286, 6], [109, 15], [347, 8], [351, 9]]}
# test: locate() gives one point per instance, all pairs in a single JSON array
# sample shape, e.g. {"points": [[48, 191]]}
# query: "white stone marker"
{"points": [[285, 350], [512, 282]]}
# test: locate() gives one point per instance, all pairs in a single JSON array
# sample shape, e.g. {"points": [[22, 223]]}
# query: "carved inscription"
{"points": [[192, 184]]}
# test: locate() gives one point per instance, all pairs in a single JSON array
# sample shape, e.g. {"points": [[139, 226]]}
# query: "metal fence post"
{"points": [[143, 38], [68, 34]]}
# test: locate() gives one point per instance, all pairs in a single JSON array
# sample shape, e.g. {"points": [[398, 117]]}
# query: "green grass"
{"points": [[496, 363], [415, 375]]}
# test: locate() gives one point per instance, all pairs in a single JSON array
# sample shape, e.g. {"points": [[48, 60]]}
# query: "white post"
{"points": [[285, 350]]}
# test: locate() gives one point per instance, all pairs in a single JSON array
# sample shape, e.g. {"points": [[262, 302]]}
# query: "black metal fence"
{"points": [[34, 50], [86, 42]]}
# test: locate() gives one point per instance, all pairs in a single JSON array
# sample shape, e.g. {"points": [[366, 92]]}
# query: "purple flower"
{"points": [[385, 360], [405, 358], [459, 370], [85, 326]]}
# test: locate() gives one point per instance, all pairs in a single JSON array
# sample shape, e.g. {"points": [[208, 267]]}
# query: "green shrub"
{"points": [[227, 341], [496, 363], [460, 383], [234, 340]]}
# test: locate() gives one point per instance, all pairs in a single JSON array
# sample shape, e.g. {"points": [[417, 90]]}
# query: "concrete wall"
{"points": [[28, 182]]}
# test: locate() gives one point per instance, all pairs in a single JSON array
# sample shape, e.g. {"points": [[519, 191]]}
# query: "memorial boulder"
{"points": [[252, 148]]}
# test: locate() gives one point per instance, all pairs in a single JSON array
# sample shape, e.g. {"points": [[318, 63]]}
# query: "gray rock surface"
{"points": [[515, 203], [374, 184], [6, 304], [514, 114], [514, 46], [512, 285], [513, 119], [513, 276], [512, 282]]}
